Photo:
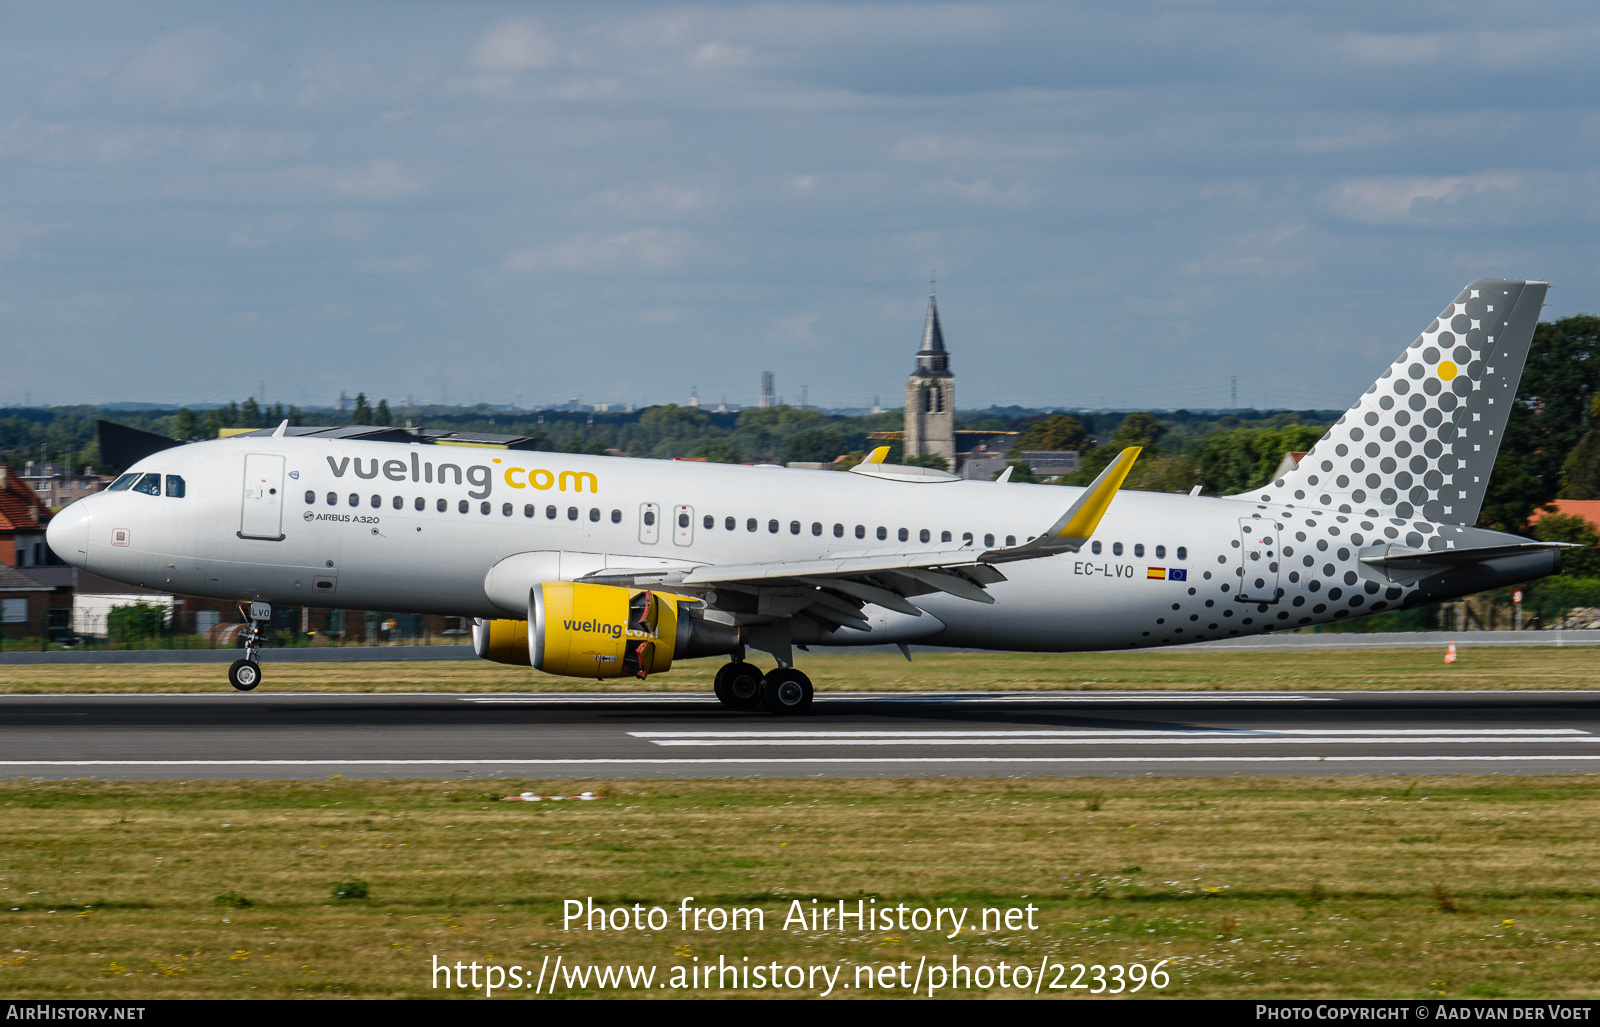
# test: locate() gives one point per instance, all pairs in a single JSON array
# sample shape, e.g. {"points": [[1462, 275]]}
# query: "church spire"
{"points": [[933, 361]]}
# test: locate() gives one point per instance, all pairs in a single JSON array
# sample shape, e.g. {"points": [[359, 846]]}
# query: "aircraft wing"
{"points": [[835, 589]]}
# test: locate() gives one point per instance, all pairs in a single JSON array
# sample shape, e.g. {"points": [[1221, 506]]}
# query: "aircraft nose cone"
{"points": [[68, 534]]}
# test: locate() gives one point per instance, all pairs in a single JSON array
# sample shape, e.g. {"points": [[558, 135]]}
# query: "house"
{"points": [[23, 515]]}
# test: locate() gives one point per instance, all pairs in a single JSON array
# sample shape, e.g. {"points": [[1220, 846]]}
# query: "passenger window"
{"points": [[966, 536], [422, 504], [1183, 553], [683, 520], [1116, 549], [904, 534], [594, 515], [616, 516], [572, 513], [816, 527], [400, 503], [772, 526], [1094, 547], [528, 510], [1011, 540], [174, 487], [1161, 552], [484, 508], [944, 536], [1138, 549], [377, 501], [861, 531], [988, 541], [709, 522], [462, 506], [149, 484], [838, 531], [122, 483], [355, 500], [649, 517], [729, 524], [924, 535], [750, 525], [505, 509], [311, 497], [883, 533], [441, 506], [550, 513], [794, 527], [333, 499]]}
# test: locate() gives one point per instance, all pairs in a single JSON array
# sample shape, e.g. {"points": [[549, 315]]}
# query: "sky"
{"points": [[1126, 205]]}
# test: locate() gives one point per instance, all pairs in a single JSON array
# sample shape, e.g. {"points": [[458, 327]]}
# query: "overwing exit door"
{"points": [[262, 513]]}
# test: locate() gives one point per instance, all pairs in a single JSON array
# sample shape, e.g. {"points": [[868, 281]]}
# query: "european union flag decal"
{"points": [[1177, 574]]}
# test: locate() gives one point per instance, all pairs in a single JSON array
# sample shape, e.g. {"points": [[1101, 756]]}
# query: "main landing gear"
{"points": [[742, 686], [245, 674]]}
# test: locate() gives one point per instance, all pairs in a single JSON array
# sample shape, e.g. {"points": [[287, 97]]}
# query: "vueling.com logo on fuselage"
{"points": [[593, 627], [479, 476]]}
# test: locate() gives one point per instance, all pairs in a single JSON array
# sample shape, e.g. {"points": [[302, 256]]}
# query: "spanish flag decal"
{"points": [[1158, 573]]}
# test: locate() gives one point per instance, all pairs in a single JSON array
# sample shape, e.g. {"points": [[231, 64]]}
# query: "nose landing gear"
{"points": [[742, 686], [245, 674]]}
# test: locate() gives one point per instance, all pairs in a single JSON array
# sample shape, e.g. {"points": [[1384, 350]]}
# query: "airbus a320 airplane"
{"points": [[600, 567]]}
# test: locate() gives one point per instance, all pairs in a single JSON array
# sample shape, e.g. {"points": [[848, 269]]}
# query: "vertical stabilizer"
{"points": [[1422, 440]]}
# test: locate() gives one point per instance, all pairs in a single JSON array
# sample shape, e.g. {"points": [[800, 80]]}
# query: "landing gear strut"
{"points": [[738, 685], [245, 674]]}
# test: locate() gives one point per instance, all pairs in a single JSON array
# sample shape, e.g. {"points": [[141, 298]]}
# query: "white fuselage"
{"points": [[345, 530]]}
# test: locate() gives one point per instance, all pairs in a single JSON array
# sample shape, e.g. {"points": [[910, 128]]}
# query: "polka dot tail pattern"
{"points": [[1421, 442]]}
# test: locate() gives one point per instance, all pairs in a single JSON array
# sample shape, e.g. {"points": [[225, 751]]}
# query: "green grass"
{"points": [[1249, 888], [1491, 668]]}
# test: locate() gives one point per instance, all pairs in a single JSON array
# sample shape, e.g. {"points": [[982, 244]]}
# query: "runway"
{"points": [[1032, 734]]}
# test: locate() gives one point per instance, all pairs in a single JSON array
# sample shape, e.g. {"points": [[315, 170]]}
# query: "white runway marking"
{"points": [[1113, 736], [1117, 732], [919, 697], [793, 761]]}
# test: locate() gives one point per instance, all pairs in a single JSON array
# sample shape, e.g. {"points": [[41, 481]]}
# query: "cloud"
{"points": [[410, 265], [1271, 253], [1498, 197], [654, 249], [514, 46], [185, 66]]}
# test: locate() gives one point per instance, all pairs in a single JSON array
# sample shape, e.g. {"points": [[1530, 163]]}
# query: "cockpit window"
{"points": [[149, 484], [174, 486], [122, 483]]}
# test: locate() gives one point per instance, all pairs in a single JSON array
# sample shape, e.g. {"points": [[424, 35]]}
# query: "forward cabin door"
{"points": [[1259, 556], [262, 514]]}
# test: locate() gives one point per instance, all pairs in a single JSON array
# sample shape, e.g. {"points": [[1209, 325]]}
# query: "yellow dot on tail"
{"points": [[1447, 370]]}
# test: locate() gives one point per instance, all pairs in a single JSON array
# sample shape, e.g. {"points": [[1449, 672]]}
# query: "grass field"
{"points": [[1493, 668], [1249, 888]]}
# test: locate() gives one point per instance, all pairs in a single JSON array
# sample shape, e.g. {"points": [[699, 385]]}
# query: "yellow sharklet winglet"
{"points": [[1084, 516], [877, 455], [1074, 527]]}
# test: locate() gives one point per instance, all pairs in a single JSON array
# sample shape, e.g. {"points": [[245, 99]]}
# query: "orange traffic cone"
{"points": [[1450, 653]]}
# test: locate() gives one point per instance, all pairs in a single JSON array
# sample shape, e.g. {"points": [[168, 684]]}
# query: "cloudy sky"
{"points": [[1126, 204]]}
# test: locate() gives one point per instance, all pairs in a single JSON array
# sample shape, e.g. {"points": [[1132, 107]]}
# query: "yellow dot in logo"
{"points": [[1447, 370]]}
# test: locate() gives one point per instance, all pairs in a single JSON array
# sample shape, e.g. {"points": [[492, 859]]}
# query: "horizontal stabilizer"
{"points": [[1403, 558]]}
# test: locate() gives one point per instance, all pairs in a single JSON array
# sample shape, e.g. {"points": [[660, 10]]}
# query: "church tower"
{"points": [[931, 396]]}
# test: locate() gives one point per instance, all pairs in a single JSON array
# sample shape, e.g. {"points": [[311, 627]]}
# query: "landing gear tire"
{"points": [[786, 691], [738, 685], [244, 675]]}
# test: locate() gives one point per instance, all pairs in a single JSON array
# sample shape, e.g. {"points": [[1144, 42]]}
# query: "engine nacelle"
{"points": [[603, 631]]}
